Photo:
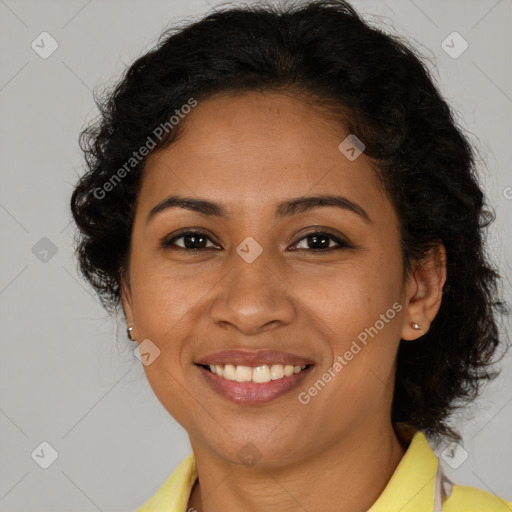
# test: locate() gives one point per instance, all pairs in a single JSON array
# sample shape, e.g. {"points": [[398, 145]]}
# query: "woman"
{"points": [[283, 205]]}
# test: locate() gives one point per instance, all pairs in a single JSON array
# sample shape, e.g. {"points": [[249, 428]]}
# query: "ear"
{"points": [[126, 300], [424, 292]]}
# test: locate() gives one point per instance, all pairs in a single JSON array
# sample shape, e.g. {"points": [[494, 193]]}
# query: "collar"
{"points": [[174, 493], [412, 485]]}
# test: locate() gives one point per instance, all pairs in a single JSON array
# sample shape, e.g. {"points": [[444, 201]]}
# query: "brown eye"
{"points": [[316, 241], [320, 241], [192, 240]]}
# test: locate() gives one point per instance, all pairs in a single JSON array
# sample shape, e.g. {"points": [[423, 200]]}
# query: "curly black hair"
{"points": [[380, 88]]}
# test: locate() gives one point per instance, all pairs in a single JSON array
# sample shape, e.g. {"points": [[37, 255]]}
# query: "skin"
{"points": [[249, 152]]}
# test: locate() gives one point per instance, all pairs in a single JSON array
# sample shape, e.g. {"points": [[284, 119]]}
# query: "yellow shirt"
{"points": [[417, 485]]}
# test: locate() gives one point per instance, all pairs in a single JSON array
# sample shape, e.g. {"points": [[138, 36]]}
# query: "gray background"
{"points": [[67, 374]]}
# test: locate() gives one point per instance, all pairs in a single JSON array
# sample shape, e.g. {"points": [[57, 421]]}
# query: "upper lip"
{"points": [[254, 358]]}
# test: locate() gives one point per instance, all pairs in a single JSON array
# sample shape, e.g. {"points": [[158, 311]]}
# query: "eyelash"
{"points": [[342, 244]]}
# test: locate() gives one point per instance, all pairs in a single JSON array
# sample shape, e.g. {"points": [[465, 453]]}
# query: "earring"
{"points": [[415, 326], [129, 333]]}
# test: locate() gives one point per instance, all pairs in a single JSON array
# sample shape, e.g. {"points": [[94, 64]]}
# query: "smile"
{"points": [[253, 376], [256, 385]]}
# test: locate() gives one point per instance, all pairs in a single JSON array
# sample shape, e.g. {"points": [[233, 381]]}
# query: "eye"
{"points": [[192, 240], [319, 241]]}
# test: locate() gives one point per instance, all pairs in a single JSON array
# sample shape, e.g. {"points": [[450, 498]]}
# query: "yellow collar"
{"points": [[412, 485], [174, 494]]}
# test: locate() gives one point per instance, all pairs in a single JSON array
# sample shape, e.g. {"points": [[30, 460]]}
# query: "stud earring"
{"points": [[415, 326], [129, 333]]}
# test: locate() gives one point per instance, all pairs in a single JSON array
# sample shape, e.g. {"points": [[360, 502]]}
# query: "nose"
{"points": [[253, 298]]}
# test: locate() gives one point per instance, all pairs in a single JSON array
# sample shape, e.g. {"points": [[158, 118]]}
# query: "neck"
{"points": [[348, 475]]}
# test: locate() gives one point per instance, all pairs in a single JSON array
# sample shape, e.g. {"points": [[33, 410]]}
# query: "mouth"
{"points": [[253, 377]]}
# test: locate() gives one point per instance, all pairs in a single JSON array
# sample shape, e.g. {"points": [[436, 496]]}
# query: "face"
{"points": [[265, 284]]}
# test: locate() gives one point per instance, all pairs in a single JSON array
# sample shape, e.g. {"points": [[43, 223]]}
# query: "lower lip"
{"points": [[253, 392]]}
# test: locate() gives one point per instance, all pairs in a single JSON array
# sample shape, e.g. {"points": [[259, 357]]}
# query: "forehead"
{"points": [[256, 149]]}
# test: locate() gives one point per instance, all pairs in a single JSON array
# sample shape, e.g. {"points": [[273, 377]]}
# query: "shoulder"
{"points": [[470, 499]]}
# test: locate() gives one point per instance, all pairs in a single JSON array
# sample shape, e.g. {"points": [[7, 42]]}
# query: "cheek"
{"points": [[163, 308], [352, 298], [162, 296], [358, 312], [363, 345]]}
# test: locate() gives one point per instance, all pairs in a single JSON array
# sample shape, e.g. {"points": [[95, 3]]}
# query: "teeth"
{"points": [[288, 370], [258, 374], [276, 371], [261, 374], [229, 372], [243, 373]]}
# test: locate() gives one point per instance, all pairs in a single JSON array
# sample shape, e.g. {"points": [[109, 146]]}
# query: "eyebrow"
{"points": [[285, 209]]}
